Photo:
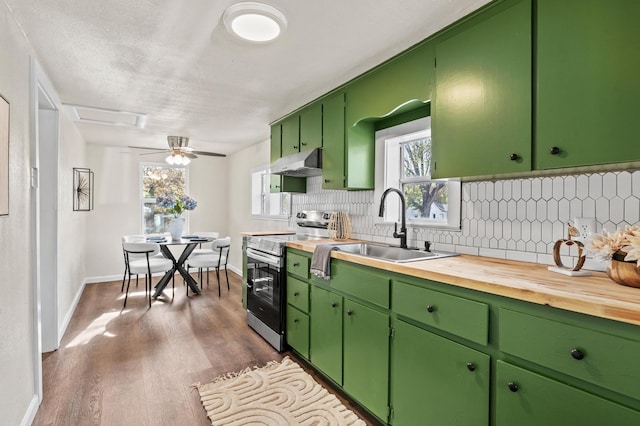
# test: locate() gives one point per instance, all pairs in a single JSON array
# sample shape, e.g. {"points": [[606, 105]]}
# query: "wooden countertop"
{"points": [[596, 295], [258, 233]]}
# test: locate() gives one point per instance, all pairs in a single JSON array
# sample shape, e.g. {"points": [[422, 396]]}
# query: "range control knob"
{"points": [[326, 216]]}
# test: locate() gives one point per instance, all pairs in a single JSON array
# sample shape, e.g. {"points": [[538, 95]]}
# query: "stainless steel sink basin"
{"points": [[391, 253]]}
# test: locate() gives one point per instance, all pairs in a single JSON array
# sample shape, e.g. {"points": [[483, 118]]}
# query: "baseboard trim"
{"points": [[32, 410], [70, 312]]}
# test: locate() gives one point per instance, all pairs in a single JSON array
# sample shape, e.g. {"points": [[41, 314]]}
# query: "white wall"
{"points": [[240, 220], [117, 203], [16, 287]]}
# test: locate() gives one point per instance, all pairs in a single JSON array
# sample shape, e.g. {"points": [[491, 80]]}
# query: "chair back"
{"points": [[222, 246], [140, 249], [134, 239]]}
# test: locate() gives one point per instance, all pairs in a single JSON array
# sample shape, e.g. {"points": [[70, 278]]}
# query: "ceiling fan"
{"points": [[180, 152]]}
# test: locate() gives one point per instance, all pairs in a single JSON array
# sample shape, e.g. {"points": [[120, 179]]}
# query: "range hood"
{"points": [[302, 164]]}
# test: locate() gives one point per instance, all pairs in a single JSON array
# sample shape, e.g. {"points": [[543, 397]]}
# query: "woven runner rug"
{"points": [[281, 393]]}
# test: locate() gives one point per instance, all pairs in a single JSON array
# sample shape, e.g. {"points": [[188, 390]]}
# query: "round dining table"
{"points": [[189, 243]]}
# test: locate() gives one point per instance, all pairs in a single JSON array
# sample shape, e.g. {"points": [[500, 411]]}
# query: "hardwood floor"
{"points": [[136, 366]]}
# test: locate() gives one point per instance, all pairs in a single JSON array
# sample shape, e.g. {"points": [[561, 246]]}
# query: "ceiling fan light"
{"points": [[169, 159], [186, 160], [254, 22]]}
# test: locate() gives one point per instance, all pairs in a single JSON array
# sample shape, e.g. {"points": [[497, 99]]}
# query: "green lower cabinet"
{"points": [[326, 332], [526, 398], [436, 381], [366, 357], [298, 331]]}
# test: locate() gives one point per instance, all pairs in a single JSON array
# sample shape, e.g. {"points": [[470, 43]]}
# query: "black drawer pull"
{"points": [[296, 294], [471, 366], [577, 354], [334, 304], [349, 312], [295, 265], [554, 150], [513, 157], [513, 387], [431, 308], [296, 320]]}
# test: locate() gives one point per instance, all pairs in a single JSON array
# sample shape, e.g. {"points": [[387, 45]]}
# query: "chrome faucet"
{"points": [[403, 228]]}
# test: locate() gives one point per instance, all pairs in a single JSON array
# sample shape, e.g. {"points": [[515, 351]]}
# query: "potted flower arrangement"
{"points": [[176, 205], [622, 248]]}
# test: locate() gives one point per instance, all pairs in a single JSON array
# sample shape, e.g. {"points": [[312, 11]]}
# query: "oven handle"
{"points": [[263, 257]]}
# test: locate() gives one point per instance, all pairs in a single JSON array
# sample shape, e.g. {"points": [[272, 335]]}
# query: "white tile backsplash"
{"points": [[515, 219]]}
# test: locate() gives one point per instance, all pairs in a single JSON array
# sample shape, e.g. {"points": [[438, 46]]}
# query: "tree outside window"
{"points": [[157, 180]]}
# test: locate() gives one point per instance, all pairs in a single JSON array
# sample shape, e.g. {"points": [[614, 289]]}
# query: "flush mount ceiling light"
{"points": [[109, 117], [254, 22]]}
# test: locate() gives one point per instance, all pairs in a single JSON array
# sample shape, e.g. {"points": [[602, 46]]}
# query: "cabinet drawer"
{"points": [[369, 285], [298, 331], [466, 318], [603, 359], [525, 398], [298, 265], [298, 294]]}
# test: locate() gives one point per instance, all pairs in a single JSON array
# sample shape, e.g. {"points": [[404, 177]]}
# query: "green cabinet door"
{"points": [[436, 379], [326, 332], [588, 90], [291, 135], [333, 148], [482, 108], [311, 127], [526, 398], [298, 331], [366, 357], [276, 143]]}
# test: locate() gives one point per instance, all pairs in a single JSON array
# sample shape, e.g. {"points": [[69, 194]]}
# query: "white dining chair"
{"points": [[217, 258], [204, 248], [141, 258], [134, 239]]}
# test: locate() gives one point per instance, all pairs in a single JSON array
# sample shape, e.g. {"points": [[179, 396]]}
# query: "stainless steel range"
{"points": [[266, 275]]}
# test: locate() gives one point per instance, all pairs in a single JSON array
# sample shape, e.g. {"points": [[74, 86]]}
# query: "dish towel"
{"points": [[321, 260]]}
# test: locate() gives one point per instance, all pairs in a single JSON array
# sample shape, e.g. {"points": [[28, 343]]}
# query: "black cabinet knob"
{"points": [[554, 150], [334, 304], [513, 157], [513, 387], [471, 366], [431, 308], [296, 320], [303, 143], [577, 354], [349, 312], [296, 294], [327, 181], [295, 265]]}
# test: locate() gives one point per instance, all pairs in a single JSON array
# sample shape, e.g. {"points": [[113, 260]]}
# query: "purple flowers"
{"points": [[176, 205]]}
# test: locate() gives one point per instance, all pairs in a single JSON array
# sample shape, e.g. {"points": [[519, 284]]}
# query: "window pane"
{"points": [[416, 158], [155, 221], [426, 200], [156, 180]]}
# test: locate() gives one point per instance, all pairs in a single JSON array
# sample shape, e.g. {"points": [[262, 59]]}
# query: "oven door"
{"points": [[265, 288]]}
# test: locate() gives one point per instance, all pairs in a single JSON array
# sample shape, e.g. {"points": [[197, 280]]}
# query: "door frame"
{"points": [[43, 97]]}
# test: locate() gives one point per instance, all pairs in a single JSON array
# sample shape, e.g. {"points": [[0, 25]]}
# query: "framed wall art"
{"points": [[4, 156], [82, 189]]}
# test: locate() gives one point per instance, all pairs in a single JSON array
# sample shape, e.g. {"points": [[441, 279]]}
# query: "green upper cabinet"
{"points": [[406, 78], [311, 127], [588, 90], [333, 143], [482, 104], [291, 135], [276, 142], [279, 183]]}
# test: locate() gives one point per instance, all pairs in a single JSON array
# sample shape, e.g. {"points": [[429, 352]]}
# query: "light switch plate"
{"points": [[586, 227]]}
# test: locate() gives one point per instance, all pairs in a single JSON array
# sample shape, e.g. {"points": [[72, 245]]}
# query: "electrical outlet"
{"points": [[586, 227]]}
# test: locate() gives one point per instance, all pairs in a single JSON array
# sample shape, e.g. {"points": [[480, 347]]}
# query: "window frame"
{"points": [[144, 200], [266, 197], [385, 178]]}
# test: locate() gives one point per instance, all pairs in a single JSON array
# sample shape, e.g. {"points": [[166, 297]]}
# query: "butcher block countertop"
{"points": [[259, 233], [596, 295]]}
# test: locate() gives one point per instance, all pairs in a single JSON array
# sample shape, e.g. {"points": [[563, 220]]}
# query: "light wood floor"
{"points": [[136, 366]]}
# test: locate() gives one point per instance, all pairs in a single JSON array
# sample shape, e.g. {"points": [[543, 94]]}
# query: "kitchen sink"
{"points": [[391, 253]]}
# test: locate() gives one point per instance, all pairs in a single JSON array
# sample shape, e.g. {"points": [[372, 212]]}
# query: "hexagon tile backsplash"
{"points": [[517, 219]]}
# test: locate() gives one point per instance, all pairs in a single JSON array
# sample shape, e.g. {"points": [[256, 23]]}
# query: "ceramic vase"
{"points": [[176, 227], [625, 273]]}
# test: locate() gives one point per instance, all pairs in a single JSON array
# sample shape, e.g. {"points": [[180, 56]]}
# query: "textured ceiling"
{"points": [[174, 60]]}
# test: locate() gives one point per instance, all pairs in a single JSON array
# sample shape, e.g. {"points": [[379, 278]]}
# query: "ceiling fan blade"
{"points": [[150, 149], [189, 155], [211, 154], [155, 152]]}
